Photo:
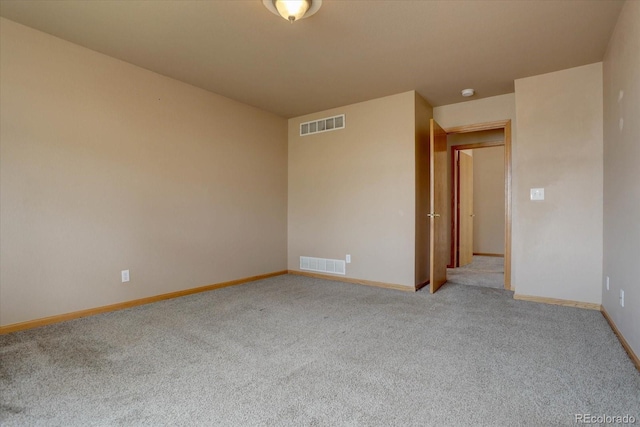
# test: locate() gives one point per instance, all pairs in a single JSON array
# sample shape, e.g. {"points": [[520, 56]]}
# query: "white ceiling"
{"points": [[350, 51]]}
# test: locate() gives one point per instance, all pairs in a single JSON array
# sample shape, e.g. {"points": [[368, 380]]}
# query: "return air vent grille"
{"points": [[322, 125], [322, 265]]}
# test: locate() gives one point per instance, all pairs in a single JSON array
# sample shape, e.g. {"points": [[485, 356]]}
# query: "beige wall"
{"points": [[423, 115], [557, 243], [483, 110], [352, 191], [488, 200], [106, 166], [622, 175]]}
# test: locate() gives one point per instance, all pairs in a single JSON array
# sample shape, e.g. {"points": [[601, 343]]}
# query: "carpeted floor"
{"points": [[296, 351], [483, 271]]}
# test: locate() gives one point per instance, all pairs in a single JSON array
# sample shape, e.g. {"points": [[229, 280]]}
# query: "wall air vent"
{"points": [[322, 265], [322, 125]]}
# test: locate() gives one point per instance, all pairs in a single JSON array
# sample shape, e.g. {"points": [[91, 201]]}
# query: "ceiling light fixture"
{"points": [[293, 10], [468, 92]]}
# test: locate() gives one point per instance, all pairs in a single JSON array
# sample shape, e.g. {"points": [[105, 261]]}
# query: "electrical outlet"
{"points": [[124, 274], [348, 259], [607, 282], [621, 298]]}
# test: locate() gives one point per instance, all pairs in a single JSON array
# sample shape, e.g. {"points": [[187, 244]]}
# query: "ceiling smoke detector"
{"points": [[468, 92]]}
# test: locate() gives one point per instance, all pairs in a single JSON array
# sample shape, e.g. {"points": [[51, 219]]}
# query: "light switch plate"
{"points": [[537, 194]]}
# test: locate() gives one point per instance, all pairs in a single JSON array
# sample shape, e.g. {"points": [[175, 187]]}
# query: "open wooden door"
{"points": [[465, 209], [439, 253]]}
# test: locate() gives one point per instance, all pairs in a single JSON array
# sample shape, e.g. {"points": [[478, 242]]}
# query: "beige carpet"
{"points": [[296, 351], [483, 271]]}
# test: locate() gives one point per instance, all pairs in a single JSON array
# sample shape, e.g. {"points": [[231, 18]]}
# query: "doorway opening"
{"points": [[482, 256]]}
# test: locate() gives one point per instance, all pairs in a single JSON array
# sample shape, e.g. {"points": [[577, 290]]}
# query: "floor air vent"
{"points": [[322, 125], [322, 265]]}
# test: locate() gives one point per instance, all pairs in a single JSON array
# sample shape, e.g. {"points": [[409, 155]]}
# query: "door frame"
{"points": [[505, 125]]}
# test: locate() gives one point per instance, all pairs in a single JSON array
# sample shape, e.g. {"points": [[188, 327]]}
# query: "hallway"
{"points": [[483, 271]]}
